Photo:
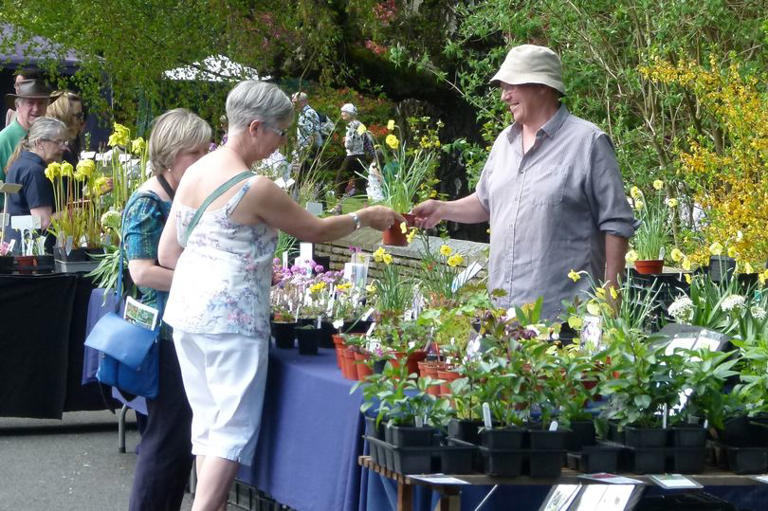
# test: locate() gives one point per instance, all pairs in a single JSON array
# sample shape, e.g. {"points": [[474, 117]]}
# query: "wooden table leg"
{"points": [[450, 500], [404, 497]]}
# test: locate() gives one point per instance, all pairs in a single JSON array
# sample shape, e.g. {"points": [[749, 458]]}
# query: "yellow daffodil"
{"points": [[575, 322], [391, 124], [378, 255], [53, 170], [600, 292], [66, 169], [748, 268], [639, 204], [574, 275], [317, 287], [403, 227], [631, 256], [688, 278], [732, 252], [445, 250], [593, 308], [455, 260], [716, 249], [677, 255], [138, 145], [672, 202], [392, 141], [658, 184], [686, 264], [87, 167], [370, 288], [409, 237], [635, 192], [361, 129], [387, 258], [614, 293], [344, 287]]}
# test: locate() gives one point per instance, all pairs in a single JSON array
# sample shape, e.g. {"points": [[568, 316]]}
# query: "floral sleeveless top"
{"points": [[222, 279]]}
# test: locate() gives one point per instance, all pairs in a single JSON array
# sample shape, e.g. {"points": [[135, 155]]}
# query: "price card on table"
{"points": [[674, 481]]}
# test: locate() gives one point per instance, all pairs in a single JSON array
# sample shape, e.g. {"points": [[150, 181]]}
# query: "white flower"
{"points": [[757, 312], [731, 302], [681, 309]]}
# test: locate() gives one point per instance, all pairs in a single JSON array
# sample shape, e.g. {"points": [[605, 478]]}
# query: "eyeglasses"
{"points": [[279, 133], [64, 143]]}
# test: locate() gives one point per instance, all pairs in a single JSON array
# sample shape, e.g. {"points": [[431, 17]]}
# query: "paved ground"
{"points": [[72, 464]]}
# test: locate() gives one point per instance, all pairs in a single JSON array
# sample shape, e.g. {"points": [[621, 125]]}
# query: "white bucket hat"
{"points": [[529, 63], [349, 108]]}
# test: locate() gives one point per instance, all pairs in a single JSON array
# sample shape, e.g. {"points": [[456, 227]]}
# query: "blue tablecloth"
{"points": [[310, 434]]}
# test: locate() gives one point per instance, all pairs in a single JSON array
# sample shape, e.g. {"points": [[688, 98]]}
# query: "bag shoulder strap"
{"points": [[212, 197]]}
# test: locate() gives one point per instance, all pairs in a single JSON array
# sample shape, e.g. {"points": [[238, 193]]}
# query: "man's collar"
{"points": [[550, 127]]}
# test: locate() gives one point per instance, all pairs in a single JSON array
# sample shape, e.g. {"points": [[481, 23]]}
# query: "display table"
{"points": [[42, 328], [310, 434]]}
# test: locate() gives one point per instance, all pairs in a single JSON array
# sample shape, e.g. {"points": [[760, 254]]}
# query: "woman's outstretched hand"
{"points": [[379, 217]]}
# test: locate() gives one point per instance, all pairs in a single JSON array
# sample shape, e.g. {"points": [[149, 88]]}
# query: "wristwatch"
{"points": [[356, 219]]}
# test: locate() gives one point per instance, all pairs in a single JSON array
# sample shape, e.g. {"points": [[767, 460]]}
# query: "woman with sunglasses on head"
{"points": [[45, 142], [67, 107]]}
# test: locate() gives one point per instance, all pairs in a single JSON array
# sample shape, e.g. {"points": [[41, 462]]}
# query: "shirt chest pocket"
{"points": [[546, 186]]}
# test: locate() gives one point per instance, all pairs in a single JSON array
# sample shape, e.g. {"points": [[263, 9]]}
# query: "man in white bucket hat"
{"points": [[551, 190]]}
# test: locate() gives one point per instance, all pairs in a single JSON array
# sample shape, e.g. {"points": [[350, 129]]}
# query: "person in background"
{"points": [[30, 100], [219, 300], [178, 139], [45, 143], [309, 138], [21, 75], [67, 107], [551, 189], [354, 162]]}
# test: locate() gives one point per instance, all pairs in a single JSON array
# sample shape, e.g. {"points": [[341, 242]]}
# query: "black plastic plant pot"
{"points": [[45, 264], [687, 437], [747, 460], [647, 460], [465, 430], [545, 439], [6, 265], [687, 460], [326, 331], [284, 334], [502, 463], [614, 434], [409, 436], [721, 268], [595, 458], [502, 438], [543, 463], [372, 430], [645, 437], [308, 340], [355, 327], [457, 459], [582, 433], [413, 460]]}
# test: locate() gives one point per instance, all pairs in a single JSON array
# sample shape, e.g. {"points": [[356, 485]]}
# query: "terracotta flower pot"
{"points": [[361, 366], [394, 235], [429, 369], [412, 361], [448, 375], [650, 266], [338, 344], [26, 264], [348, 368]]}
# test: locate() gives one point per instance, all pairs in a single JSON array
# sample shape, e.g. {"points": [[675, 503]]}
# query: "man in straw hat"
{"points": [[551, 190], [30, 101]]}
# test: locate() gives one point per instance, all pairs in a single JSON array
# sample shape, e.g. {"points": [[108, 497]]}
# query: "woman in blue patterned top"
{"points": [[178, 139]]}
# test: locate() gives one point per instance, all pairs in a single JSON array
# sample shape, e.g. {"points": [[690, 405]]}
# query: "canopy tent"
{"points": [[214, 68], [33, 51]]}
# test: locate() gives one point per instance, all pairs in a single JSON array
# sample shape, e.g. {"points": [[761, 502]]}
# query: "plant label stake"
{"points": [[664, 412], [553, 426], [487, 416], [367, 314], [370, 329]]}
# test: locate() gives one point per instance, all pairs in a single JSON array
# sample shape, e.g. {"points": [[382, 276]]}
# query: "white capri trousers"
{"points": [[225, 376]]}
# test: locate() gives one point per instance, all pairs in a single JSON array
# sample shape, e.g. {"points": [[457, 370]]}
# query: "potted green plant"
{"points": [[652, 235]]}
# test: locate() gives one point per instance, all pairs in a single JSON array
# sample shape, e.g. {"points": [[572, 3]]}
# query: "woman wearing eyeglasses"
{"points": [[45, 142], [67, 107]]}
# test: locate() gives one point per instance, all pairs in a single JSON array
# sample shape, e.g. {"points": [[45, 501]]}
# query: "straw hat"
{"points": [[529, 63], [29, 89]]}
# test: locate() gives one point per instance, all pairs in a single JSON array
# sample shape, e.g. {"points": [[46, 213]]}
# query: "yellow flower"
{"points": [[635, 192], [631, 256], [387, 258], [574, 275], [79, 175], [455, 260], [600, 292], [317, 287], [593, 308], [403, 227], [138, 145], [344, 287], [409, 237], [378, 255], [658, 184], [121, 136], [370, 288], [53, 170], [716, 249], [672, 202], [86, 167], [748, 268], [614, 293], [391, 124], [639, 204], [762, 277], [686, 264], [677, 255], [575, 322], [732, 252], [361, 129], [392, 141], [66, 169], [433, 194], [688, 278], [445, 250]]}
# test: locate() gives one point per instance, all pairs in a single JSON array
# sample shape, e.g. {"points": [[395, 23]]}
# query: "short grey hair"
{"points": [[46, 128], [175, 131], [252, 100], [300, 96]]}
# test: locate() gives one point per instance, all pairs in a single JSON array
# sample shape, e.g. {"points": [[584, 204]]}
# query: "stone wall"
{"points": [[407, 258]]}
